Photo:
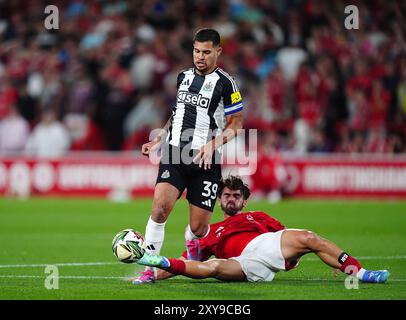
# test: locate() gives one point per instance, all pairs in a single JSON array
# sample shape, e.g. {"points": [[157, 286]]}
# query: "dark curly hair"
{"points": [[207, 34], [234, 183]]}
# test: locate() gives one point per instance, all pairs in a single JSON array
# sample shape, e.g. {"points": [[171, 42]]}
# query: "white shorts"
{"points": [[262, 257]]}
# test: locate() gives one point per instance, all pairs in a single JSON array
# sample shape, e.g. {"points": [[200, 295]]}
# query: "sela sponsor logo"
{"points": [[194, 99]]}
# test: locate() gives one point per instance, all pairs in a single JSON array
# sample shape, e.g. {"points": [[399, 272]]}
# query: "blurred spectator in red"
{"points": [[378, 103], [8, 96], [359, 111], [276, 91], [296, 65], [361, 80], [268, 180], [309, 107], [84, 133], [375, 141]]}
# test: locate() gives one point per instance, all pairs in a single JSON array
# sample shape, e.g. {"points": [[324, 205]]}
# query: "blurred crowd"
{"points": [[107, 76]]}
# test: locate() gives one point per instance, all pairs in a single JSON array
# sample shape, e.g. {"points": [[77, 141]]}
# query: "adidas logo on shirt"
{"points": [[207, 203]]}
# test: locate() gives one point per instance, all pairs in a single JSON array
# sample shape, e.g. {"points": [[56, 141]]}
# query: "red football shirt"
{"points": [[229, 237]]}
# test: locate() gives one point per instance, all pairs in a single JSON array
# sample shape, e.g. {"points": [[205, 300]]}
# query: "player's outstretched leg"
{"points": [[296, 243], [222, 269]]}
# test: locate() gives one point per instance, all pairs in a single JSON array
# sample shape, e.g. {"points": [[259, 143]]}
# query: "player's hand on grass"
{"points": [[335, 272], [205, 155]]}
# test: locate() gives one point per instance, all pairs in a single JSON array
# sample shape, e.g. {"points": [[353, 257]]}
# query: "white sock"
{"points": [[360, 273], [154, 238], [189, 235]]}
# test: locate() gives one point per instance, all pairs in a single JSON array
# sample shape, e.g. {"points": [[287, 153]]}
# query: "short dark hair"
{"points": [[207, 34], [234, 183]]}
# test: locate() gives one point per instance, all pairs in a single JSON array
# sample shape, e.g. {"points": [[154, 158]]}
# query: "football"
{"points": [[128, 246]]}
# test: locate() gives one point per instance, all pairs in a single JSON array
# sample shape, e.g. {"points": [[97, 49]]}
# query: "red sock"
{"points": [[178, 266], [349, 265]]}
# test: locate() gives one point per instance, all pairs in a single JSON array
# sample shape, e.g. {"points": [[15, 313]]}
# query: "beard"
{"points": [[231, 209]]}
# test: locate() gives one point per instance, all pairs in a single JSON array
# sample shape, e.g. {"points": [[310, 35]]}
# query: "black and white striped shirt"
{"points": [[202, 103]]}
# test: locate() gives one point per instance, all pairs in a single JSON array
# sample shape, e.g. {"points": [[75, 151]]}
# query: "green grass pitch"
{"points": [[76, 234]]}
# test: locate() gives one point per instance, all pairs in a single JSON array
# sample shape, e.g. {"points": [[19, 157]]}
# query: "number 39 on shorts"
{"points": [[210, 189]]}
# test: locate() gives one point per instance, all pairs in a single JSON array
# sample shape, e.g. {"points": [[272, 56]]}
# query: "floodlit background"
{"points": [[107, 77], [108, 73]]}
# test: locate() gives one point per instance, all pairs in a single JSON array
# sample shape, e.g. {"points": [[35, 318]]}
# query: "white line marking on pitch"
{"points": [[367, 258], [63, 277], [69, 264], [316, 279], [124, 278], [84, 264]]}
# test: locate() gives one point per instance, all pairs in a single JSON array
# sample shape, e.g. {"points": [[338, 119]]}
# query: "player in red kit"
{"points": [[252, 246]]}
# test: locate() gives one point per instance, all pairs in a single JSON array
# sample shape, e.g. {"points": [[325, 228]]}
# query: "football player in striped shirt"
{"points": [[207, 114]]}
